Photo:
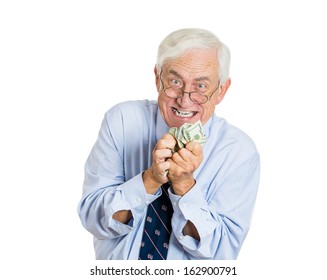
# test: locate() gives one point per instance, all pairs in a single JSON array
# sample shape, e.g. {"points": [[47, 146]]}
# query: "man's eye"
{"points": [[175, 83], [202, 87]]}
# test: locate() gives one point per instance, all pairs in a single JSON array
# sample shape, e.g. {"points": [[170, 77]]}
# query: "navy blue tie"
{"points": [[157, 228]]}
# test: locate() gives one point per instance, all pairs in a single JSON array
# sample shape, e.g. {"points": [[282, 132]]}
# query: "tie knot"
{"points": [[165, 186]]}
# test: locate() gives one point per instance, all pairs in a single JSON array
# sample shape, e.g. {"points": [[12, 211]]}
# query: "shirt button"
{"points": [[138, 199], [174, 203], [180, 237]]}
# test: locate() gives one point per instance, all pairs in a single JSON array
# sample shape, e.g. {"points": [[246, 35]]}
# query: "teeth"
{"points": [[183, 114]]}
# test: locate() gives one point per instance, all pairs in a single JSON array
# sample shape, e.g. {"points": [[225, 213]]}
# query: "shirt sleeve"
{"points": [[105, 189], [223, 219]]}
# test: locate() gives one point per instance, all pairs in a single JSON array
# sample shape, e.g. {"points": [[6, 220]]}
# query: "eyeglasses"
{"points": [[176, 92]]}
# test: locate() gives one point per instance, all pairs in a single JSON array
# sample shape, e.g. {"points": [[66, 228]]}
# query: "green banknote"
{"points": [[187, 133]]}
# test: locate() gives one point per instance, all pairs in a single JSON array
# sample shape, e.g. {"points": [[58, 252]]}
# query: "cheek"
{"points": [[166, 102], [161, 99], [207, 112], [163, 104]]}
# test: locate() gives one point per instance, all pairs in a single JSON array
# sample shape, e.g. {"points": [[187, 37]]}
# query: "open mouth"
{"points": [[184, 114]]}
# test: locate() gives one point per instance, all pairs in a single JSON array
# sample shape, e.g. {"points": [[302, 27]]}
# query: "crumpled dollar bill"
{"points": [[187, 133]]}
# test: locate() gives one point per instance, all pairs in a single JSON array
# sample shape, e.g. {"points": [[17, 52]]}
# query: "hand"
{"points": [[156, 175], [182, 166]]}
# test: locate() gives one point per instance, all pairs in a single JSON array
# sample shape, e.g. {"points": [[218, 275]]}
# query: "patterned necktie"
{"points": [[157, 228]]}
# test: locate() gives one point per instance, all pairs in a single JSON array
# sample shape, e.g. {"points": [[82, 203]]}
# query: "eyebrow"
{"points": [[176, 74], [199, 79], [203, 78]]}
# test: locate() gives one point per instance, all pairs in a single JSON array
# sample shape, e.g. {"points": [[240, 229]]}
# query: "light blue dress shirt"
{"points": [[220, 204]]}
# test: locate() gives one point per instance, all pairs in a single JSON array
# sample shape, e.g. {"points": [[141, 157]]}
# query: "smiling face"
{"points": [[195, 71]]}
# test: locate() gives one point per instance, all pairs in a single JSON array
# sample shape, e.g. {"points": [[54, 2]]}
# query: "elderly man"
{"points": [[145, 199]]}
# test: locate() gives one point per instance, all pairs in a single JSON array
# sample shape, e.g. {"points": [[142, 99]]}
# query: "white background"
{"points": [[63, 64]]}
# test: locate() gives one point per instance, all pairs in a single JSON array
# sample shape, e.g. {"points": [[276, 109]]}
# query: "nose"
{"points": [[185, 101]]}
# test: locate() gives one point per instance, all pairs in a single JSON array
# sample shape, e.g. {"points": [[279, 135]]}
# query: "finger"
{"points": [[180, 161], [161, 155], [169, 137], [195, 148], [162, 168], [186, 160], [166, 142], [172, 165], [185, 155], [175, 171]]}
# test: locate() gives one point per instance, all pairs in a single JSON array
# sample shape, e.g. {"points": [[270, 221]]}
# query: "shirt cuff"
{"points": [[130, 196], [135, 194], [193, 207]]}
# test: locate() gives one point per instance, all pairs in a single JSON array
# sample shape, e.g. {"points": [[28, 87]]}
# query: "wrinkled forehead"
{"points": [[200, 63]]}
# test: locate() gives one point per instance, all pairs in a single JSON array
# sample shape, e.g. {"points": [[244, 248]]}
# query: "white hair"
{"points": [[180, 41]]}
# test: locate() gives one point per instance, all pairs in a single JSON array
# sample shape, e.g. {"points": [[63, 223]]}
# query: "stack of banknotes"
{"points": [[187, 133]]}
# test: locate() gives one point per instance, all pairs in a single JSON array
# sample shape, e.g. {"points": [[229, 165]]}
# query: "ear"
{"points": [[157, 78], [223, 89]]}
